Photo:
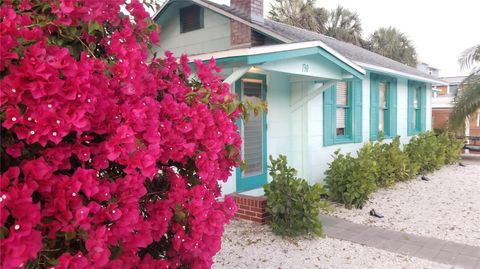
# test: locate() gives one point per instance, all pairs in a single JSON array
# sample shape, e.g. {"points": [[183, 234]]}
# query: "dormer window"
{"points": [[191, 18]]}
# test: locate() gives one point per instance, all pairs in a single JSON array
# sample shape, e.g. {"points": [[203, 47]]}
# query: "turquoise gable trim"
{"points": [[257, 181], [390, 119], [340, 63], [282, 55]]}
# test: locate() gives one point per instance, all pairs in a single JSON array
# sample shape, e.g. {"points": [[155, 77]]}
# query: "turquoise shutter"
{"points": [[393, 107], [374, 95], [410, 110], [329, 116], [357, 110], [423, 108]]}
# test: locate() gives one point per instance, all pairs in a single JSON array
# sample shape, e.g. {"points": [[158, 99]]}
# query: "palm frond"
{"points": [[467, 101], [469, 57]]}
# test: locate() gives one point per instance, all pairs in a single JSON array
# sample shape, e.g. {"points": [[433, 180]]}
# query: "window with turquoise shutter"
{"points": [[342, 113], [416, 107], [383, 106]]}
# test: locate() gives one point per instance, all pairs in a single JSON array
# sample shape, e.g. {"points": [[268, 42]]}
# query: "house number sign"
{"points": [[305, 68]]}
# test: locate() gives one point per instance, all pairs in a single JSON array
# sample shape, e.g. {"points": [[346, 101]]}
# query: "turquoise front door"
{"points": [[254, 135]]}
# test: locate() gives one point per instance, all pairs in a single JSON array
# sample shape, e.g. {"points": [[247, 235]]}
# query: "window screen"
{"points": [[191, 18], [342, 108], [253, 132]]}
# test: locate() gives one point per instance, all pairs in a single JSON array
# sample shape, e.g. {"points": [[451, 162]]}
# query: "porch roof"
{"points": [[263, 54]]}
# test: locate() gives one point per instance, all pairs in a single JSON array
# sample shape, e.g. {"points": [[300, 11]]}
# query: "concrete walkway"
{"points": [[433, 249]]}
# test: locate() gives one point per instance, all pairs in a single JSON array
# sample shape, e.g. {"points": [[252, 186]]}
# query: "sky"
{"points": [[440, 30]]}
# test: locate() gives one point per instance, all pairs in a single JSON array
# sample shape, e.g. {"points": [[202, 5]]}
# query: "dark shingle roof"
{"points": [[352, 52]]}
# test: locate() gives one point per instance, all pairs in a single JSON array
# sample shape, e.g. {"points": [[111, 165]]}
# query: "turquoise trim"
{"points": [[357, 85], [421, 116], [257, 181], [353, 127], [390, 116], [282, 55], [396, 75], [342, 64]]}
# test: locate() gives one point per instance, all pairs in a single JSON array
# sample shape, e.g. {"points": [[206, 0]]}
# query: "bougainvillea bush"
{"points": [[108, 159]]}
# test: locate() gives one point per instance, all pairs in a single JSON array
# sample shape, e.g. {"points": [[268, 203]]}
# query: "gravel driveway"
{"points": [[250, 245], [446, 207]]}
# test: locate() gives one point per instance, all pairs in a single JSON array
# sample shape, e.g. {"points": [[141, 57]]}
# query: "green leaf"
{"points": [[4, 232], [94, 26], [70, 236], [115, 252]]}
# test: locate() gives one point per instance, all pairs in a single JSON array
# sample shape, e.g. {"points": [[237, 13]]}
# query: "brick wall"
{"points": [[251, 208], [440, 117], [242, 35], [252, 9]]}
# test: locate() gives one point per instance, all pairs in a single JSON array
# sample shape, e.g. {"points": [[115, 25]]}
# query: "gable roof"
{"points": [[291, 34]]}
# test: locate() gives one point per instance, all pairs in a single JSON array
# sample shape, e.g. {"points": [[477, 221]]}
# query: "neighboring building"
{"points": [[322, 93], [442, 105], [427, 69]]}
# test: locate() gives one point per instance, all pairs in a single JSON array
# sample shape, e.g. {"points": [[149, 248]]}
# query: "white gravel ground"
{"points": [[447, 207], [250, 245]]}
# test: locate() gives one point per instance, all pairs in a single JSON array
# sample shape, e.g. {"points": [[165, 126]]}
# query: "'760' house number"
{"points": [[305, 68]]}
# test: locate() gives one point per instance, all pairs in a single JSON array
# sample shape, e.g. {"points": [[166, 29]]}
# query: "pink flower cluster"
{"points": [[107, 161]]}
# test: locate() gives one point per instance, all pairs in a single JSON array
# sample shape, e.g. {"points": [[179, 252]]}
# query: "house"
{"points": [[426, 68], [322, 93], [442, 105]]}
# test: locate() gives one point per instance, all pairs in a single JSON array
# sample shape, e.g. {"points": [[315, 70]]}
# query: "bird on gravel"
{"points": [[461, 164], [425, 178]]}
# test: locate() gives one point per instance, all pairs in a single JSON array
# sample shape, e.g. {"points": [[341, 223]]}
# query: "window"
{"points": [[342, 113], [452, 89], [343, 108], [191, 18], [383, 106], [416, 107]]}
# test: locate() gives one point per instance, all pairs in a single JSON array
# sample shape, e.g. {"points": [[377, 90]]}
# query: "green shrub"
{"points": [[392, 161], [292, 203], [452, 147], [425, 152], [351, 180], [429, 152]]}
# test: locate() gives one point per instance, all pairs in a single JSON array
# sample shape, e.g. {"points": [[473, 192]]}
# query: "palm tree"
{"points": [[467, 101], [299, 13], [393, 44], [345, 25]]}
